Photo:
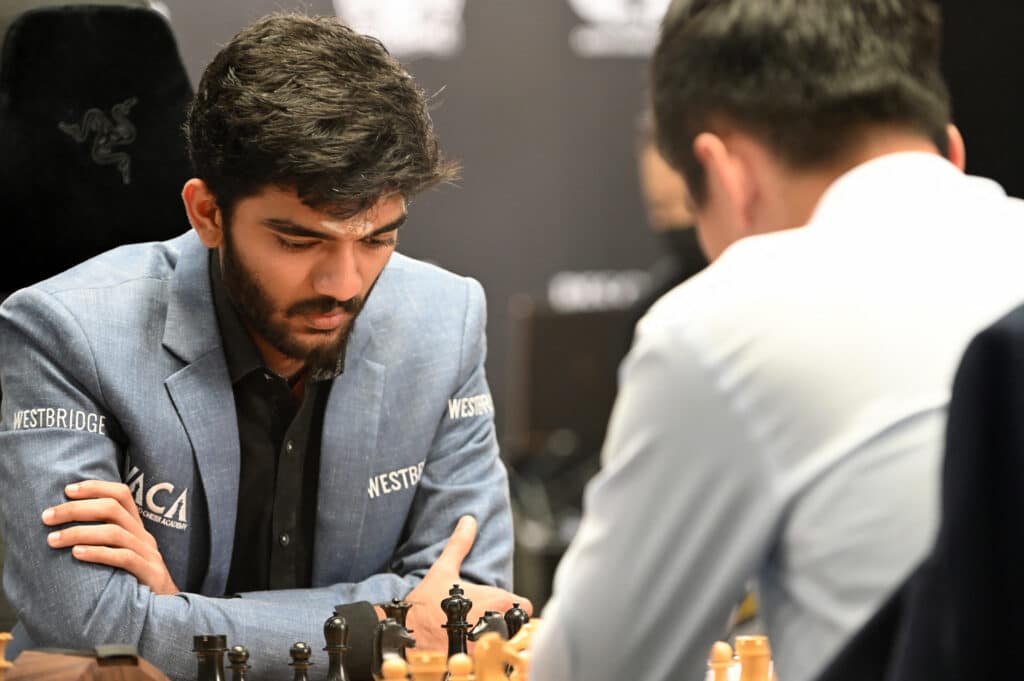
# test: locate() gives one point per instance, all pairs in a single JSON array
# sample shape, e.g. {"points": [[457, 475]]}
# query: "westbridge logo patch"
{"points": [[395, 481], [61, 419], [158, 502], [408, 28], [617, 28], [468, 407]]}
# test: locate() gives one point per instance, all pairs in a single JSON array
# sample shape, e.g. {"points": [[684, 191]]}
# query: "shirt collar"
{"points": [[885, 185]]}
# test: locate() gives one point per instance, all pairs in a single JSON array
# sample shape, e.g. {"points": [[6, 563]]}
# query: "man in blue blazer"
{"points": [[274, 406]]}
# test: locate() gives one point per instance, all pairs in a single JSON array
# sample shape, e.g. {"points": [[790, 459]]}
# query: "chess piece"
{"points": [[515, 618], [755, 658], [4, 664], [719, 661], [209, 650], [427, 665], [336, 637], [456, 607], [524, 637], [300, 654], [460, 668], [491, 620], [397, 609], [393, 669], [391, 639], [238, 657], [489, 658]]}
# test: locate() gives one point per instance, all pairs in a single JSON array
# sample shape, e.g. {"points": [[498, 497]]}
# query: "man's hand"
{"points": [[426, 617], [120, 540]]}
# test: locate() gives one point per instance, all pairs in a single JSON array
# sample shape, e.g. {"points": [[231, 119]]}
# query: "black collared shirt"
{"points": [[280, 460]]}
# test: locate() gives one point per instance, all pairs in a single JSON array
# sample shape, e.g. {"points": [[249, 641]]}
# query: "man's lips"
{"points": [[331, 320]]}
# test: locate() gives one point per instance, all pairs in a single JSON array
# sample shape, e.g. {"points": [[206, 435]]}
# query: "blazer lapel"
{"points": [[351, 425], [202, 395]]}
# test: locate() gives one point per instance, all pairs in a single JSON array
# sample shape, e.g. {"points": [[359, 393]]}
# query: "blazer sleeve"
{"points": [[464, 473]]}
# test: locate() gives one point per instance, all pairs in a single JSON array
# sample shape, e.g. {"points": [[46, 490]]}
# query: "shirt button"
{"points": [[285, 539], [289, 446], [267, 376]]}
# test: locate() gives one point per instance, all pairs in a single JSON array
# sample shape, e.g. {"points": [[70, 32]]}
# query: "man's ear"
{"points": [[957, 149], [730, 173], [203, 212]]}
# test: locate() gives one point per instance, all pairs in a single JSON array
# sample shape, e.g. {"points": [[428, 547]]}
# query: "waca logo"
{"points": [[158, 502]]}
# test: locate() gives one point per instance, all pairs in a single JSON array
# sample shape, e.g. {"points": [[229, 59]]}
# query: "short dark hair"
{"points": [[307, 103], [806, 77]]}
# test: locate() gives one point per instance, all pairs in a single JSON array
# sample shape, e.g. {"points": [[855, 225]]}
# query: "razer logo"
{"points": [[108, 132]]}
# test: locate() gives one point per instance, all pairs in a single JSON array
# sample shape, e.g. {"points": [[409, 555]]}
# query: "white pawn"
{"points": [[719, 661], [393, 668], [460, 667]]}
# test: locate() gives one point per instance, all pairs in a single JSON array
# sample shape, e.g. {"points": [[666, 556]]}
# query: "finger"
{"points": [[113, 536], [91, 510], [492, 598], [458, 546], [98, 489], [124, 559]]}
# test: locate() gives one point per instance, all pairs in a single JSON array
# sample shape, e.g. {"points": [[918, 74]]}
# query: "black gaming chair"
{"points": [[92, 99], [92, 156]]}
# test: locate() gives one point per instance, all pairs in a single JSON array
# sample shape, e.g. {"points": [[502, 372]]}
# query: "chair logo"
{"points": [[616, 28], [408, 28], [108, 132]]}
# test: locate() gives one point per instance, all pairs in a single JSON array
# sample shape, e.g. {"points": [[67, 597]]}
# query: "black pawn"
{"points": [[300, 654], [397, 609], [238, 656], [336, 637], [209, 650], [515, 618], [457, 608]]}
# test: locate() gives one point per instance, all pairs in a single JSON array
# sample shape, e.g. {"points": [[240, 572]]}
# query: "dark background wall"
{"points": [[545, 137], [983, 63]]}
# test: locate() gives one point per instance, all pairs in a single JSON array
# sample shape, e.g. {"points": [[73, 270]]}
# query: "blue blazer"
{"points": [[115, 370]]}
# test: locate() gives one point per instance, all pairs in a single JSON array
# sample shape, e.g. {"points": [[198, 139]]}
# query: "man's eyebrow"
{"points": [[390, 227], [289, 228]]}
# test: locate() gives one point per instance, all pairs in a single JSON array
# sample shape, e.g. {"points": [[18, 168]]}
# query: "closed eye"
{"points": [[378, 242], [290, 245]]}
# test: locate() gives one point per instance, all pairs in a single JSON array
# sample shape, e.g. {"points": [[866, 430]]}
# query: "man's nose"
{"points": [[338, 275]]}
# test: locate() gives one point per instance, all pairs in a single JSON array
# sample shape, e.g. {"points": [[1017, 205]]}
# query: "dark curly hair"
{"points": [[807, 77], [307, 103]]}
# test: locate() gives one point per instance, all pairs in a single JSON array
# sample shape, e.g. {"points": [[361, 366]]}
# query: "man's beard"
{"points": [[256, 308]]}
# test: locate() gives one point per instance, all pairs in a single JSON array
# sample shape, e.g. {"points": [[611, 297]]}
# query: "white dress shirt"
{"points": [[781, 415]]}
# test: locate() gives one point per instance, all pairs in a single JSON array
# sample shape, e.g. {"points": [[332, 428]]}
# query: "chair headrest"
{"points": [[92, 99]]}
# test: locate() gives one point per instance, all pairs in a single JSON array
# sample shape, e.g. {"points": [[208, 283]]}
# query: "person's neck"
{"points": [[796, 194]]}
